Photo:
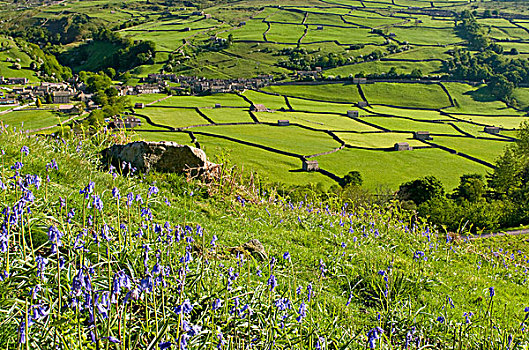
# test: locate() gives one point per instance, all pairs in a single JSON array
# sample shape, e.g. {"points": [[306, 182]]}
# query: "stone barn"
{"points": [[353, 114], [310, 165], [422, 135], [128, 122], [217, 105], [362, 103], [139, 105], [283, 122], [259, 108], [402, 146], [492, 130]]}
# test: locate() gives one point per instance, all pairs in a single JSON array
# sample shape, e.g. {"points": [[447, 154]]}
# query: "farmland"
{"points": [[388, 40], [319, 123]]}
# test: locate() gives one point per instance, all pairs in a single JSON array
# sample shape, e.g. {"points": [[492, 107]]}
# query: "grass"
{"points": [[29, 120], [384, 169], [324, 92], [226, 100], [228, 115], [475, 100], [483, 149], [316, 121], [378, 140], [379, 67], [269, 101], [399, 124], [406, 95], [173, 117], [299, 141]]}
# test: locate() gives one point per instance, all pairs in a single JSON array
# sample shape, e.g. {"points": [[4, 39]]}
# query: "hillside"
{"points": [[93, 259]]}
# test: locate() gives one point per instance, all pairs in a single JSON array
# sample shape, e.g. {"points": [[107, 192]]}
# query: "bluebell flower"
{"points": [[272, 282], [24, 150], [491, 292], [213, 240], [217, 304], [302, 312], [152, 191], [165, 345], [115, 193], [373, 335], [440, 319], [286, 256], [97, 203]]}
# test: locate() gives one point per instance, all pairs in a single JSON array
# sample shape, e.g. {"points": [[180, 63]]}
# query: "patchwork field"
{"points": [[320, 126]]}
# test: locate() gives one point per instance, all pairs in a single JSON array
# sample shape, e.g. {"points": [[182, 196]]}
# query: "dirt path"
{"points": [[502, 233]]}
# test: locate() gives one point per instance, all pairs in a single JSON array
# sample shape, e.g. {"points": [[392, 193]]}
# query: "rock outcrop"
{"points": [[167, 157]]}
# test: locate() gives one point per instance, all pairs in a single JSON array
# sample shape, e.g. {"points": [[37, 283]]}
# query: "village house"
{"points": [[61, 97], [127, 122], [492, 130], [402, 146], [422, 135], [353, 114], [7, 101], [283, 122], [14, 81], [310, 165]]}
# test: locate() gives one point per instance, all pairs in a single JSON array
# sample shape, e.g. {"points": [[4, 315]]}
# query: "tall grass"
{"points": [[97, 260]]}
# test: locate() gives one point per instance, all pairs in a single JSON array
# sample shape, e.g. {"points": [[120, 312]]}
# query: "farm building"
{"points": [[422, 135], [310, 165], [353, 114], [61, 97], [362, 103], [359, 80], [283, 122], [128, 122], [68, 109], [319, 28], [139, 105], [259, 108], [402, 146], [492, 130], [14, 81], [217, 105]]}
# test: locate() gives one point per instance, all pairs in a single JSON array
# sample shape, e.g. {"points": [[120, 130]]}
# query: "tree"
{"points": [[38, 103], [421, 190], [353, 178], [416, 73], [49, 99], [471, 188], [501, 87]]}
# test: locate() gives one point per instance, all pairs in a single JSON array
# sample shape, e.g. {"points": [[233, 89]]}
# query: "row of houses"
{"points": [[201, 85]]}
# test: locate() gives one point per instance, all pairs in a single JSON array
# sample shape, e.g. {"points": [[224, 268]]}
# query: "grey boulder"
{"points": [[167, 157]]}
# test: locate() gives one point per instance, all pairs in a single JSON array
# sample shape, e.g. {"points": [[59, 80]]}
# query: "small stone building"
{"points": [[319, 28], [310, 165], [492, 130], [422, 135], [128, 122], [353, 114], [283, 122], [362, 103], [259, 108], [217, 105], [139, 105], [402, 146]]}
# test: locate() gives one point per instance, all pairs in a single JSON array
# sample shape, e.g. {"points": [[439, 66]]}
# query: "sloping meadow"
{"points": [[93, 259]]}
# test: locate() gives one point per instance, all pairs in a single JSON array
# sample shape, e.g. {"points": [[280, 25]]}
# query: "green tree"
{"points": [[38, 103], [471, 188], [353, 178], [421, 190]]}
